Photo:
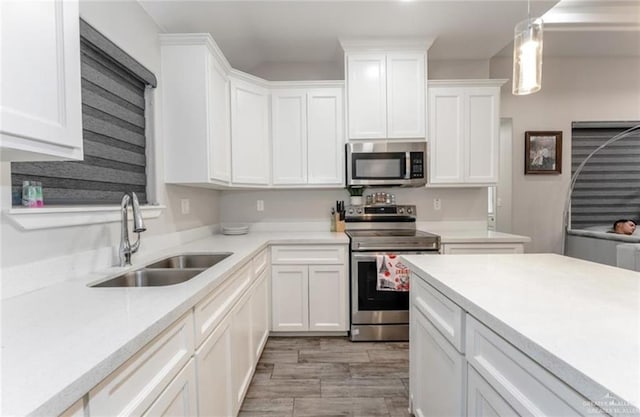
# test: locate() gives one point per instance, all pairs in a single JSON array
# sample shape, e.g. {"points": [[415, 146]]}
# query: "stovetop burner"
{"points": [[387, 228]]}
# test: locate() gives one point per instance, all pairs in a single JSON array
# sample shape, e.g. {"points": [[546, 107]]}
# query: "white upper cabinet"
{"points": [[325, 139], [289, 116], [196, 121], [406, 92], [464, 121], [386, 89], [40, 104], [367, 96], [308, 136], [250, 132]]}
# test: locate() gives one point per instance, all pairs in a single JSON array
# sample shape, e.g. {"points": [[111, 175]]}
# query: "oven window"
{"points": [[369, 298], [379, 165]]}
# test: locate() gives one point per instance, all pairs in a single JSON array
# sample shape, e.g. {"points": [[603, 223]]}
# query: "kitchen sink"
{"points": [[150, 278], [190, 261], [168, 271]]}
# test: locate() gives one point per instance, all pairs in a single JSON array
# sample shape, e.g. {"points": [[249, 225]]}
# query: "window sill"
{"points": [[55, 217]]}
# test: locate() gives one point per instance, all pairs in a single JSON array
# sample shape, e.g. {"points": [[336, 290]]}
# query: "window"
{"points": [[608, 187], [113, 123]]}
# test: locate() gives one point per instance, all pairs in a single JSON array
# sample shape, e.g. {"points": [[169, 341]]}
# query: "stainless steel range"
{"points": [[374, 231]]}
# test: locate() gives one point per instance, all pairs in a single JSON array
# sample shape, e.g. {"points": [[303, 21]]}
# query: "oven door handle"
{"points": [[372, 255]]}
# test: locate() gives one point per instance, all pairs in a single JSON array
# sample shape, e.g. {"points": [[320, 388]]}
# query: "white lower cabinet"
{"points": [[213, 361], [242, 358], [227, 357], [486, 248], [484, 401], [439, 379], [309, 289], [290, 298], [491, 377], [260, 313], [179, 398], [135, 385]]}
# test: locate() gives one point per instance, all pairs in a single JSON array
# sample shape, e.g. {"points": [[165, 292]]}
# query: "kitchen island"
{"points": [[553, 323]]}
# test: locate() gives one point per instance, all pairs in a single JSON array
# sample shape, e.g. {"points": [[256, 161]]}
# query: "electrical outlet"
{"points": [[437, 204], [185, 205], [499, 202], [260, 205]]}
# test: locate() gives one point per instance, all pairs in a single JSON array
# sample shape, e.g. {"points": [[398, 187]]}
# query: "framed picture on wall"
{"points": [[543, 152]]}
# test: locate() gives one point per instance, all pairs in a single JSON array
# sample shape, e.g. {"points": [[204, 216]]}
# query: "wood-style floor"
{"points": [[329, 376]]}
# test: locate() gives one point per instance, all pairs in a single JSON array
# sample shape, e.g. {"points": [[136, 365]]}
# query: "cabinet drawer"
{"points": [[136, 384], [482, 400], [527, 387], [210, 311], [482, 248], [179, 399], [443, 313], [316, 254], [260, 262]]}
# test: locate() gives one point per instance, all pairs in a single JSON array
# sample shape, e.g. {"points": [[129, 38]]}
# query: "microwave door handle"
{"points": [[407, 165]]}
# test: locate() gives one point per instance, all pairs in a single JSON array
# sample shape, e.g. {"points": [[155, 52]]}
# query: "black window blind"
{"points": [[608, 188], [113, 129]]}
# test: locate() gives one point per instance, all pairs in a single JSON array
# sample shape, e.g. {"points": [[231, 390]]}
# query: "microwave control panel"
{"points": [[417, 165]]}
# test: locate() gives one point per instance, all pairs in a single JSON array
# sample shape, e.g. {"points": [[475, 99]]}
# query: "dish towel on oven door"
{"points": [[393, 275]]}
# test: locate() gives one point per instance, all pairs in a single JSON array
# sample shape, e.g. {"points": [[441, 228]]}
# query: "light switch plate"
{"points": [[260, 205]]}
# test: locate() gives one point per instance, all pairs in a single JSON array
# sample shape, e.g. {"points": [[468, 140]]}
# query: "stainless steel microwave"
{"points": [[387, 163]]}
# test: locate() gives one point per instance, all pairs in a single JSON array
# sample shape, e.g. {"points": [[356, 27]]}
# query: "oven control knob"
{"points": [[350, 211], [359, 210], [409, 210], [401, 210]]}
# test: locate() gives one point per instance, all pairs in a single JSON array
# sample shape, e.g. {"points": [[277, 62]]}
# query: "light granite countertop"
{"points": [[476, 236], [579, 320], [59, 341]]}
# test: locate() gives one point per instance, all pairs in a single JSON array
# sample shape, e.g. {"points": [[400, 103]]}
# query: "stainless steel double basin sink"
{"points": [[168, 271]]}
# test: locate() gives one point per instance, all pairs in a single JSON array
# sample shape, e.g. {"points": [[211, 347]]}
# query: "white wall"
{"points": [[573, 89], [464, 204], [299, 71], [458, 69], [127, 25]]}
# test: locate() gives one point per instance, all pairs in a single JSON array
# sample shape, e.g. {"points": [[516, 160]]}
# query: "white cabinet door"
{"points": [[213, 362], [196, 120], [464, 121], [325, 142], [367, 96], [41, 104], [249, 133], [484, 401], [289, 298], [446, 135], [328, 298], [241, 351], [179, 398], [289, 121], [220, 123], [406, 95], [482, 134], [260, 312], [440, 372]]}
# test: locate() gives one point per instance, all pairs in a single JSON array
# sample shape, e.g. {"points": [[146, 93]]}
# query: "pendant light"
{"points": [[527, 55]]}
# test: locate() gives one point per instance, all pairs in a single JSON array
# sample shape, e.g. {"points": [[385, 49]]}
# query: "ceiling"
{"points": [[255, 33]]}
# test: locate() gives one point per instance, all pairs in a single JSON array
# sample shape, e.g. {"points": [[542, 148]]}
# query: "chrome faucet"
{"points": [[126, 249]]}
